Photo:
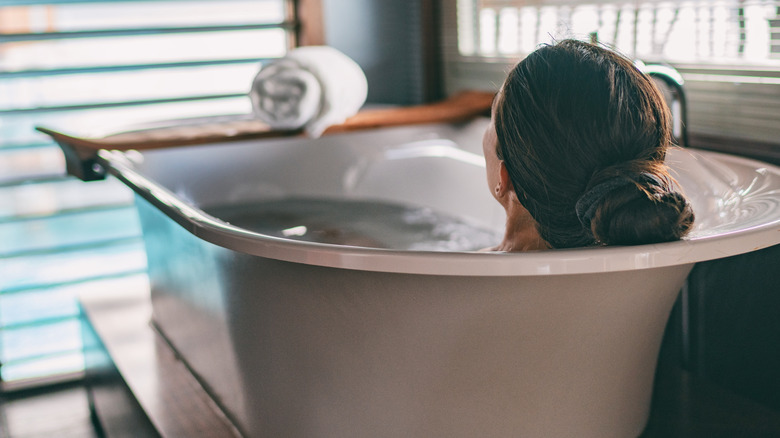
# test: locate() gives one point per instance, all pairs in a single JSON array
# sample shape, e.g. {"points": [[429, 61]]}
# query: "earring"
{"points": [[498, 189]]}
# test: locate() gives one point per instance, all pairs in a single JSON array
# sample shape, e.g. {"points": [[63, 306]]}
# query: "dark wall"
{"points": [[725, 327], [735, 321], [386, 39]]}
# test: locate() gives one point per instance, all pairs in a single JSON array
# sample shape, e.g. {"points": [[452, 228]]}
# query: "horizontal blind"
{"points": [[92, 67], [728, 51]]}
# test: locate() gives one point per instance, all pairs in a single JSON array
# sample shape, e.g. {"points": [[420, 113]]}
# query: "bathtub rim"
{"points": [[547, 262]]}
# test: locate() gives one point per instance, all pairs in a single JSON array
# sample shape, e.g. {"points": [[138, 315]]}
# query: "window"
{"points": [[728, 51], [91, 67]]}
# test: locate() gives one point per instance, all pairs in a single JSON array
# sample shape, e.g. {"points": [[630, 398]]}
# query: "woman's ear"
{"points": [[504, 186]]}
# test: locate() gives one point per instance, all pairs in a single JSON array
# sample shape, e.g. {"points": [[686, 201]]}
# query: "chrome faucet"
{"points": [[671, 78]]}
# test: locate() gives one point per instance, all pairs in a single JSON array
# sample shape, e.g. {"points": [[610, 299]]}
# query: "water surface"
{"points": [[358, 223]]}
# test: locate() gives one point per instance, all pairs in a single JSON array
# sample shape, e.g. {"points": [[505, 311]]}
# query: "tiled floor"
{"points": [[61, 413]]}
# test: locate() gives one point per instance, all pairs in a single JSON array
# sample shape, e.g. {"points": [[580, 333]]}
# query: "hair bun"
{"points": [[641, 213]]}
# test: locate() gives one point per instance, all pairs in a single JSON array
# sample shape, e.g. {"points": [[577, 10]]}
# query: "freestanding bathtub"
{"points": [[301, 338]]}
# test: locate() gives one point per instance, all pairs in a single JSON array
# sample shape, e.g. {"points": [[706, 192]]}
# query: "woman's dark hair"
{"points": [[583, 134]]}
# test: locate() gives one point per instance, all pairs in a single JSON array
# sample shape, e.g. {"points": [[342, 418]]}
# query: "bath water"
{"points": [[358, 223]]}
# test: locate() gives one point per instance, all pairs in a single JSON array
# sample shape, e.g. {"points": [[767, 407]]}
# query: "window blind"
{"points": [[91, 67], [728, 51]]}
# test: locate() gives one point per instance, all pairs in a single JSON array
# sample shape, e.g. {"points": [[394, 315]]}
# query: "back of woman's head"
{"points": [[583, 135]]}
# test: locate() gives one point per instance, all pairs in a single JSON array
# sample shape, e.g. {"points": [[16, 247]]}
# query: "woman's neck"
{"points": [[521, 233]]}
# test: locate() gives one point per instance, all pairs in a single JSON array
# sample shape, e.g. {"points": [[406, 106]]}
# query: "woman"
{"points": [[575, 153]]}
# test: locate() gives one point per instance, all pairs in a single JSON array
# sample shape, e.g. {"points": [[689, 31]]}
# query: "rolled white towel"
{"points": [[312, 87]]}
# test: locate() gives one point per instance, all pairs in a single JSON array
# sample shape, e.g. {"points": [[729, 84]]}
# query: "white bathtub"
{"points": [[302, 339]]}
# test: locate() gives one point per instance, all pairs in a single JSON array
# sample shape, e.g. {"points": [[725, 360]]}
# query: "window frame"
{"points": [[736, 87], [41, 171]]}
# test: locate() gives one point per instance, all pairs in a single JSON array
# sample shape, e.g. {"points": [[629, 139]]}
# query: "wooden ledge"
{"points": [[81, 152], [458, 108]]}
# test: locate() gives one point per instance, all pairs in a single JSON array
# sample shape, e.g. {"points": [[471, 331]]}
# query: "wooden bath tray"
{"points": [[80, 152]]}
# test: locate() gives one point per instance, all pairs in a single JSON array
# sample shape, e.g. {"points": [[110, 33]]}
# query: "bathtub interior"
{"points": [[729, 194], [434, 166]]}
